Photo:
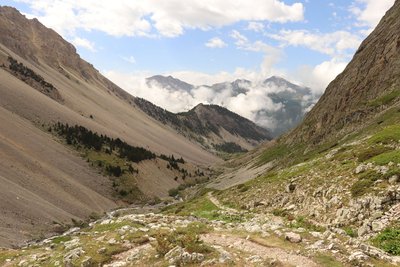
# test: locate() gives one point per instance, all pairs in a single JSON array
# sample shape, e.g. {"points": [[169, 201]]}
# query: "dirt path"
{"points": [[216, 202], [259, 250], [126, 258]]}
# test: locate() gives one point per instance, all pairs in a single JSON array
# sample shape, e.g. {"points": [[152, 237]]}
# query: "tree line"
{"points": [[79, 135]]}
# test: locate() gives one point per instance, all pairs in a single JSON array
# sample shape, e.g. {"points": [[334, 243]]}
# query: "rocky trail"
{"points": [[259, 252], [217, 203]]}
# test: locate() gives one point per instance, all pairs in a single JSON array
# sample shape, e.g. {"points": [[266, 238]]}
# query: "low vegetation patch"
{"points": [[327, 260], [187, 238], [385, 158], [389, 240], [229, 147], [371, 152], [388, 135], [350, 231], [364, 184], [385, 99], [274, 153], [301, 222]]}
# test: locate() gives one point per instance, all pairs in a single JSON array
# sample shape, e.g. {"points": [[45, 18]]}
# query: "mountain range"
{"points": [[282, 104]]}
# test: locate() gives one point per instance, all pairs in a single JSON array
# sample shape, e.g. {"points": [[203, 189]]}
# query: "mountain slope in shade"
{"points": [[214, 127], [290, 102]]}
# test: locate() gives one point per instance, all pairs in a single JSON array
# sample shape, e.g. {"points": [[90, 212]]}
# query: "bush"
{"points": [[187, 238], [243, 188], [173, 192], [389, 240], [280, 212], [350, 231]]}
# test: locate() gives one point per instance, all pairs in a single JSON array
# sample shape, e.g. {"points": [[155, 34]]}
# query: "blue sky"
{"points": [[207, 41]]}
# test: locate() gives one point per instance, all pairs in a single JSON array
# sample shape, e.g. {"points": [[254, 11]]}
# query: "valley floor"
{"points": [[128, 238]]}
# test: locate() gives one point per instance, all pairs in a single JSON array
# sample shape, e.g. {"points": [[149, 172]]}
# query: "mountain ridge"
{"points": [[210, 126], [290, 101]]}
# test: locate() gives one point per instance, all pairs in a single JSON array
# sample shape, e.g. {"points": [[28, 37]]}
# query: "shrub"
{"points": [[372, 152], [364, 184], [173, 192], [350, 231], [243, 188], [389, 240], [280, 212], [187, 238]]}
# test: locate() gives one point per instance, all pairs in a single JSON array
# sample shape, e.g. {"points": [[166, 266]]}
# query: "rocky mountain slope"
{"points": [[340, 168], [290, 102], [215, 128], [369, 85], [49, 179]]}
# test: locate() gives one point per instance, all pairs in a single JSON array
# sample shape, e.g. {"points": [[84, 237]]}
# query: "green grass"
{"points": [[202, 207], [187, 237], [8, 254], [387, 135], [389, 240], [371, 152], [364, 184], [385, 158], [125, 186], [113, 226], [350, 231], [273, 153], [327, 260], [385, 99], [60, 239], [301, 222]]}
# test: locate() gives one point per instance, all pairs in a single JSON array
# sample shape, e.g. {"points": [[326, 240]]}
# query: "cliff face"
{"points": [[369, 84], [33, 41], [36, 43]]}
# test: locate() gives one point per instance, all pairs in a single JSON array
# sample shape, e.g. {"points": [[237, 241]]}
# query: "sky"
{"points": [[308, 42]]}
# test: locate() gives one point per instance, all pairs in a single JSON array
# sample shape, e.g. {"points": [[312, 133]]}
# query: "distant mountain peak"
{"points": [[169, 82]]}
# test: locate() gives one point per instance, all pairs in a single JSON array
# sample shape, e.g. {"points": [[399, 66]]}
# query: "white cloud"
{"points": [[370, 12], [247, 105], [255, 26], [135, 83], [130, 59], [272, 55], [216, 43], [81, 42], [320, 76], [333, 44], [169, 18]]}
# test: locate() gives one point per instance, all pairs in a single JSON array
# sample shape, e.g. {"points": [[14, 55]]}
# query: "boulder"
{"points": [[362, 230], [394, 179], [293, 237], [358, 256], [377, 226], [178, 256], [225, 257]]}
